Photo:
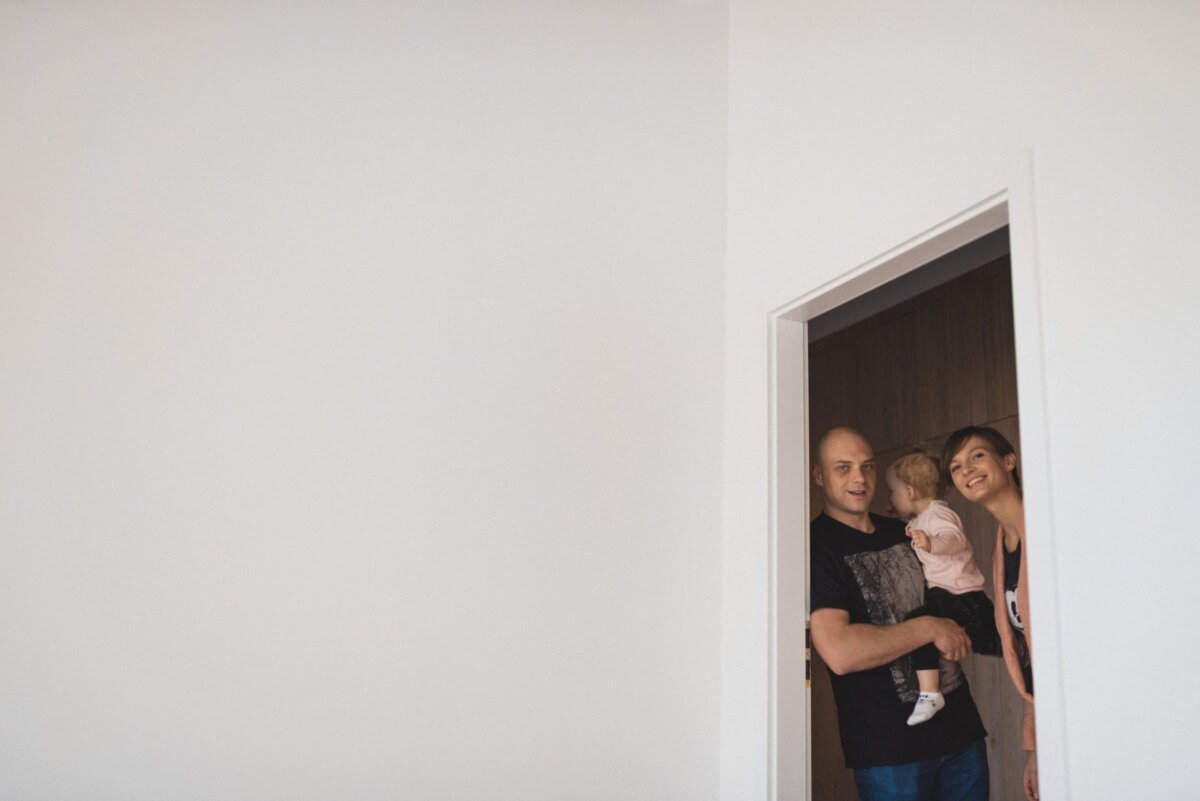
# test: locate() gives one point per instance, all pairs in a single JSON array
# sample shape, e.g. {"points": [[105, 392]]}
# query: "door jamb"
{"points": [[789, 718]]}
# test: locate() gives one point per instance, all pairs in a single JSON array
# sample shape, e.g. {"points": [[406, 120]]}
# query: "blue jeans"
{"points": [[958, 777]]}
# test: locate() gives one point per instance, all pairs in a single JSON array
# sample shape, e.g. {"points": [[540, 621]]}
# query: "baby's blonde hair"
{"points": [[921, 471]]}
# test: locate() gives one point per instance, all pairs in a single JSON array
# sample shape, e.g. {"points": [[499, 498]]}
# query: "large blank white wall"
{"points": [[855, 126], [360, 402]]}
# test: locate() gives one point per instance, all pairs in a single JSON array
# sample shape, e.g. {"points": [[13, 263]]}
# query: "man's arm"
{"points": [[850, 647]]}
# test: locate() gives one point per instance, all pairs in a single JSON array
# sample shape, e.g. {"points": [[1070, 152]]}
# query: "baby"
{"points": [[954, 585]]}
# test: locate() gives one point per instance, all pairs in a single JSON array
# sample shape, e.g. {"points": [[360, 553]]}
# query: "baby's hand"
{"points": [[920, 539]]}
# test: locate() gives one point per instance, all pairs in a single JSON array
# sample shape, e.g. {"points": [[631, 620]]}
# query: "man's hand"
{"points": [[920, 539], [949, 638], [1031, 777]]}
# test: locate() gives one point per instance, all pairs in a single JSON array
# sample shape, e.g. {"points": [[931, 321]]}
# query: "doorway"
{"points": [[907, 364], [791, 769]]}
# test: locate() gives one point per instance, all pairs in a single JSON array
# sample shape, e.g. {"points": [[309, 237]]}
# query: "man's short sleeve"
{"points": [[827, 585]]}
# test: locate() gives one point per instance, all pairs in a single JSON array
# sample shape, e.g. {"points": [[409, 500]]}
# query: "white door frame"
{"points": [[789, 720]]}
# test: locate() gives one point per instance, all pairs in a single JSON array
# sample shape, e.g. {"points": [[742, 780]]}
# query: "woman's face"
{"points": [[979, 472]]}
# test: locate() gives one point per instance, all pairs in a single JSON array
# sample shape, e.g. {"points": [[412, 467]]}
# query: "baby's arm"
{"points": [[946, 540], [919, 538]]}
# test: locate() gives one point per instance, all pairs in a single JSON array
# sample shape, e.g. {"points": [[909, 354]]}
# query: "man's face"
{"points": [[846, 472]]}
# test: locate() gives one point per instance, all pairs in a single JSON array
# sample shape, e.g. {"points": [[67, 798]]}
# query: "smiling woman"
{"points": [[971, 452], [982, 463]]}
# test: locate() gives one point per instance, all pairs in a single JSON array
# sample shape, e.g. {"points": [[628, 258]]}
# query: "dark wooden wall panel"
{"points": [[910, 376], [999, 344]]}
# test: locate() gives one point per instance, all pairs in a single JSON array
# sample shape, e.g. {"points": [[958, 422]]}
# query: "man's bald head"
{"points": [[840, 435], [845, 472]]}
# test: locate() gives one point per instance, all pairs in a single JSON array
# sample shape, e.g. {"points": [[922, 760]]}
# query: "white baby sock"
{"points": [[928, 705]]}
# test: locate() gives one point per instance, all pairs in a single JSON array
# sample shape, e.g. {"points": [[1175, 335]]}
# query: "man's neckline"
{"points": [[844, 524]]}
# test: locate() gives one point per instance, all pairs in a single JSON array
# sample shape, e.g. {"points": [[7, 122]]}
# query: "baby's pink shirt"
{"points": [[949, 563]]}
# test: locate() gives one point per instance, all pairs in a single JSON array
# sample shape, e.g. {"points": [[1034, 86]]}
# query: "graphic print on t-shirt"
{"points": [[885, 579], [1012, 574], [1014, 613]]}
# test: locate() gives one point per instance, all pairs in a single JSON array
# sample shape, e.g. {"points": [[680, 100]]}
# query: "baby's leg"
{"points": [[981, 624], [930, 701]]}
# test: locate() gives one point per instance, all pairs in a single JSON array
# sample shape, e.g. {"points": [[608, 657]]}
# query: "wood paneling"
{"points": [[999, 345], [906, 377]]}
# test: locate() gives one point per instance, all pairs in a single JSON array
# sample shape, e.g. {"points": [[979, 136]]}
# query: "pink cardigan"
{"points": [[1004, 627]]}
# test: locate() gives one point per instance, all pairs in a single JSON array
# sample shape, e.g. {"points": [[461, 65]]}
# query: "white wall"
{"points": [[360, 402], [855, 126]]}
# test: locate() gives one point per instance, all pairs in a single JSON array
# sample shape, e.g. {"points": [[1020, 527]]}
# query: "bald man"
{"points": [[865, 580]]}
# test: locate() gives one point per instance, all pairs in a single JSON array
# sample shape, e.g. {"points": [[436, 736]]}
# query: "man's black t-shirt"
{"points": [[877, 579]]}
